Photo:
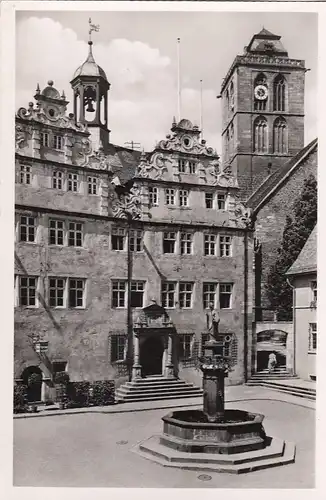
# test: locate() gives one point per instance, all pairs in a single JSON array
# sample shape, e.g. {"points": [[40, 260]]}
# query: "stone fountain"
{"points": [[216, 439]]}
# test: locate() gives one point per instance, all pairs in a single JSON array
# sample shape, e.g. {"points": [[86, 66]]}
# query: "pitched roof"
{"points": [[265, 32], [307, 260], [123, 161], [267, 188]]}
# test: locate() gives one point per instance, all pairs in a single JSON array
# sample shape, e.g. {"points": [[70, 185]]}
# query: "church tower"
{"points": [[90, 86], [263, 111]]}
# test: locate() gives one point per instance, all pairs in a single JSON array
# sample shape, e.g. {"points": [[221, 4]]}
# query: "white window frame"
{"points": [[136, 240], [170, 196], [186, 289], [92, 185], [76, 232], [186, 243], [137, 286], [209, 294], [210, 244], [55, 229], [118, 288], [25, 175], [153, 196], [72, 182], [56, 288], [58, 142], [226, 291], [27, 225], [167, 237], [192, 166], [225, 245], [118, 233], [57, 180], [183, 197], [19, 287], [182, 165], [83, 280], [221, 200], [314, 292], [44, 139], [169, 294]]}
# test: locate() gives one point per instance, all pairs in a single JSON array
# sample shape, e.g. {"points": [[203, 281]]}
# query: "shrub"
{"points": [[103, 393], [78, 394], [20, 398], [61, 378]]}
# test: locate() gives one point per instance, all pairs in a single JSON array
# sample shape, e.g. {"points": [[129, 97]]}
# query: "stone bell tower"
{"points": [[263, 111], [90, 86]]}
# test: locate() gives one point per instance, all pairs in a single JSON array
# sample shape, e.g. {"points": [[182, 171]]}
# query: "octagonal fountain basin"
{"points": [[190, 431]]}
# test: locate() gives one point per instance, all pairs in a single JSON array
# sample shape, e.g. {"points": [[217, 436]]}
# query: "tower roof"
{"points": [[89, 67], [265, 43]]}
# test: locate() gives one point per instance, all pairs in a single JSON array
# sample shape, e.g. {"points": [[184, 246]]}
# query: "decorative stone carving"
{"points": [[176, 143], [59, 120], [99, 160], [23, 135], [155, 167], [243, 215], [129, 205]]}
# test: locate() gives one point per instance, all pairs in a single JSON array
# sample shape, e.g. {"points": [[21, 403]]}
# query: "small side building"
{"points": [[302, 276]]}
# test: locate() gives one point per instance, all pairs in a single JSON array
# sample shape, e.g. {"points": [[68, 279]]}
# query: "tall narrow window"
{"points": [[56, 232], [75, 234], [118, 238], [27, 228], [44, 139], [185, 295], [260, 93], [186, 243], [76, 292], [27, 291], [185, 342], [119, 293], [209, 295], [312, 337], [225, 246], [118, 344], [221, 199], [183, 197], [56, 292], [73, 182], [137, 293], [25, 174], [226, 295], [192, 167], [279, 93], [92, 185], [57, 142], [153, 196], [170, 196], [182, 166], [210, 244], [169, 242], [231, 140], [260, 135], [168, 294], [136, 241], [57, 179], [231, 96], [209, 200], [280, 136]]}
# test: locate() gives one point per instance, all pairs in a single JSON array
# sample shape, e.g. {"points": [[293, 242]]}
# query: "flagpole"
{"points": [[179, 86], [201, 110]]}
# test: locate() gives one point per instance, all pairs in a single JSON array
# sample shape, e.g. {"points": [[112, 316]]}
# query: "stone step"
{"points": [[293, 390], [278, 453], [155, 380], [137, 391], [177, 383], [132, 399]]}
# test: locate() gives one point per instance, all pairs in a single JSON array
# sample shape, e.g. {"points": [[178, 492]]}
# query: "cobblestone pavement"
{"points": [[94, 449]]}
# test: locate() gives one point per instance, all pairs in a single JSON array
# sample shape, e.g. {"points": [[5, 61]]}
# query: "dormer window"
{"points": [[57, 142], [192, 167], [187, 167]]}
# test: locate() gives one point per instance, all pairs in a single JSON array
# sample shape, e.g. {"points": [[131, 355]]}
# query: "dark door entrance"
{"points": [[151, 353], [34, 388]]}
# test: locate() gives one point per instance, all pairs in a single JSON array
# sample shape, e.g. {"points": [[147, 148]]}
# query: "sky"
{"points": [[138, 52]]}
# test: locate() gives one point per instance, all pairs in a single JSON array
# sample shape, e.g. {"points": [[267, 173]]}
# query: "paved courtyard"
{"points": [[95, 449]]}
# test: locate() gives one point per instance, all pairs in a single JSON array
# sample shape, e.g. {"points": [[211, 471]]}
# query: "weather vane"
{"points": [[92, 27]]}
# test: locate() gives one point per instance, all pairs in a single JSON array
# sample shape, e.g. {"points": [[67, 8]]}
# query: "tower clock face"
{"points": [[261, 92]]}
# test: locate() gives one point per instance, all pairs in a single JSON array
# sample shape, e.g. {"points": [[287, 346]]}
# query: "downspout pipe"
{"points": [[245, 316], [293, 321]]}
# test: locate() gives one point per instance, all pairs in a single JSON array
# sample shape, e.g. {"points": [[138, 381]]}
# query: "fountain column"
{"points": [[213, 368], [136, 367], [169, 369]]}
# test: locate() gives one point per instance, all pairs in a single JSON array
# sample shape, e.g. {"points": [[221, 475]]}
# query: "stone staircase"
{"points": [[155, 388], [281, 380]]}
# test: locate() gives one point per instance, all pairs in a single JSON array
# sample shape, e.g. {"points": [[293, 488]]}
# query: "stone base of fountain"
{"points": [[237, 445]]}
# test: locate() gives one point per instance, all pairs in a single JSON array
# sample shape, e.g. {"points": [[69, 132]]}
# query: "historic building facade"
{"points": [[108, 239], [262, 110]]}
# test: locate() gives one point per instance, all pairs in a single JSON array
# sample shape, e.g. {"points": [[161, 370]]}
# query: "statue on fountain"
{"points": [[213, 321]]}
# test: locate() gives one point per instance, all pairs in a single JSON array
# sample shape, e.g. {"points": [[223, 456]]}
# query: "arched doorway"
{"points": [[151, 353], [34, 392], [270, 341]]}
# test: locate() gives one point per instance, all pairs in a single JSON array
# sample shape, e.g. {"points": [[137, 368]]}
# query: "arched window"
{"points": [[280, 140], [227, 144], [231, 148], [227, 100], [279, 93], [260, 135], [231, 96], [260, 104]]}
